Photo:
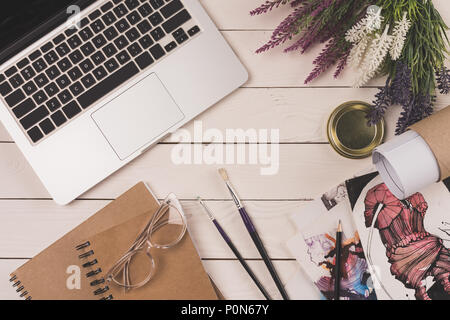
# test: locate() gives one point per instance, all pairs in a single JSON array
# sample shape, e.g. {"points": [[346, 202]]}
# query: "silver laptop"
{"points": [[87, 86]]}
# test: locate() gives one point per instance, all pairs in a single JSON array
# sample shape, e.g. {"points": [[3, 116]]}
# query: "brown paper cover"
{"points": [[435, 130]]}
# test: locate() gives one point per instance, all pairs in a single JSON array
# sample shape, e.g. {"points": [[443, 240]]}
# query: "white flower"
{"points": [[400, 31], [357, 52], [371, 22], [374, 58]]}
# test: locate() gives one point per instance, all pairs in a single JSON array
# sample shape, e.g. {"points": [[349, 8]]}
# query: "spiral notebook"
{"points": [[59, 273]]}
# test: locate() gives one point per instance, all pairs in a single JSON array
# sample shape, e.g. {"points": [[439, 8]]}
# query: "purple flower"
{"points": [[420, 107], [268, 6], [382, 102], [443, 80]]}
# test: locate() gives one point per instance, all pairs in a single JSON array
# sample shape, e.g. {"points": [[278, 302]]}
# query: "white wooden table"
{"points": [[274, 97]]}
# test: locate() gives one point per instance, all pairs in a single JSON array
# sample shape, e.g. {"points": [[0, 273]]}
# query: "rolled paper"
{"points": [[406, 164], [435, 130], [417, 158]]}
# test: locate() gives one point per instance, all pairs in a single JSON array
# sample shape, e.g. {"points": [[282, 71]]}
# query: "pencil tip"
{"points": [[339, 226], [223, 173]]}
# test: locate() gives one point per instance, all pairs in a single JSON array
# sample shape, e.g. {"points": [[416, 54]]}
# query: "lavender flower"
{"points": [[418, 109], [443, 80], [380, 105], [401, 86], [269, 6]]}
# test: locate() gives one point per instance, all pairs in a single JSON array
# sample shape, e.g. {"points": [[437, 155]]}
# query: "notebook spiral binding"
{"points": [[16, 283], [99, 283]]}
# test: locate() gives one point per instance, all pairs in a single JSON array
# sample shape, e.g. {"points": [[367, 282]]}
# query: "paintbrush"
{"points": [[338, 263], [254, 234], [235, 250]]}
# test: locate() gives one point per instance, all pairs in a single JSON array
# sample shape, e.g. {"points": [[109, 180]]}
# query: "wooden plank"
{"points": [[304, 171], [235, 14], [299, 113], [231, 279], [25, 240]]}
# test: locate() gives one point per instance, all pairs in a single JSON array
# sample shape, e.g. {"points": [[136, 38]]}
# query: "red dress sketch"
{"points": [[413, 253]]}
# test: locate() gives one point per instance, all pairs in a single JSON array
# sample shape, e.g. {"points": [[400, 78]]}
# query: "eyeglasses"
{"points": [[165, 229]]}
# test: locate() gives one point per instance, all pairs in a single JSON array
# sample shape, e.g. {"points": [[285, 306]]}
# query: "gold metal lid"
{"points": [[348, 131]]}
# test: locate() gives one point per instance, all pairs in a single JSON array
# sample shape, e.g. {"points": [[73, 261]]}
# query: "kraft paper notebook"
{"points": [[179, 271]]}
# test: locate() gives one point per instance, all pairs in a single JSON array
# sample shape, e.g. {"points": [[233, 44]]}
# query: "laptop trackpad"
{"points": [[138, 116]]}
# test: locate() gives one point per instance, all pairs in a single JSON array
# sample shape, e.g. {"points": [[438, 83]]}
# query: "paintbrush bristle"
{"points": [[223, 173]]}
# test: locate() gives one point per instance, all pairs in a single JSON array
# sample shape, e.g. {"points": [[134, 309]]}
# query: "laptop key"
{"points": [[29, 88], [65, 96], [107, 6], [156, 19], [75, 73], [51, 57], [2, 78], [76, 88], [193, 31], [182, 38], [86, 34], [86, 65], [156, 4], [100, 73], [121, 42], [170, 46], [144, 27], [46, 47], [108, 84], [176, 21], [123, 57], [63, 81], [111, 65], [171, 8], [5, 88], [122, 25], [28, 73], [157, 34], [94, 15], [71, 110], [146, 41], [98, 58], [87, 49], [144, 60], [36, 54], [58, 118], [64, 64], [132, 34], [76, 56], [145, 10], [51, 89], [131, 4], [134, 17], [111, 33], [99, 41], [109, 50], [120, 10], [34, 117], [109, 18], [14, 98], [134, 49], [97, 26], [52, 72], [39, 65], [41, 80], [35, 134], [16, 81], [88, 81], [47, 126], [40, 97], [74, 41], [53, 104], [62, 49], [10, 71], [58, 39], [23, 63], [24, 108], [157, 51]]}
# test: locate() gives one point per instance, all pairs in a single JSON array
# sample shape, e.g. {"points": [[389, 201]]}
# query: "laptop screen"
{"points": [[20, 17]]}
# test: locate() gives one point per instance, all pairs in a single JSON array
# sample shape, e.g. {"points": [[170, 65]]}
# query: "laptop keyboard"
{"points": [[78, 67]]}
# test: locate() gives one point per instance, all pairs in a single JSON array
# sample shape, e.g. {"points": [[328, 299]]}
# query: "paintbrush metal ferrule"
{"points": [[233, 193], [208, 212]]}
